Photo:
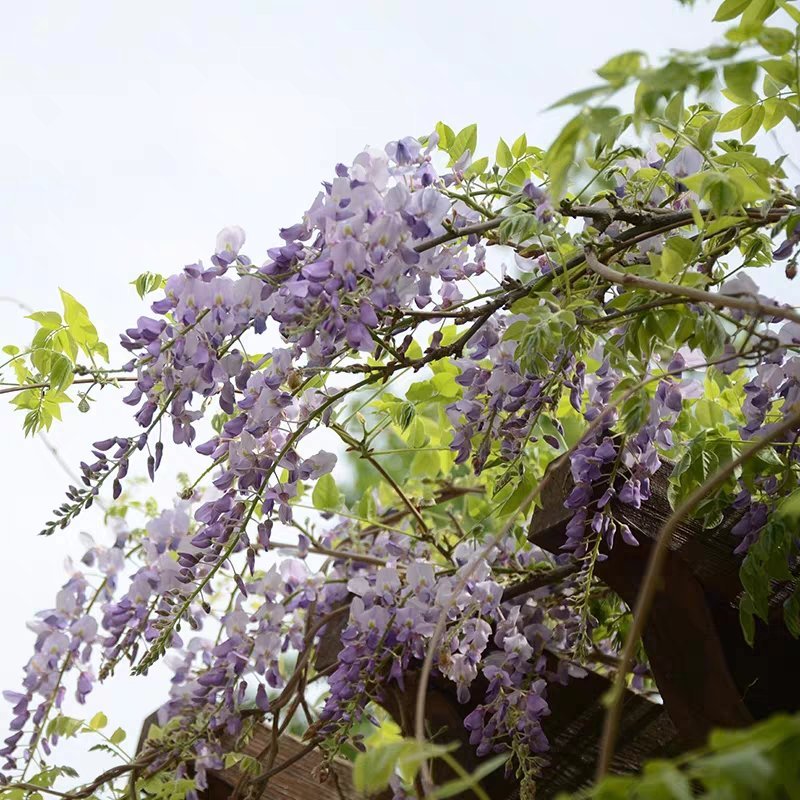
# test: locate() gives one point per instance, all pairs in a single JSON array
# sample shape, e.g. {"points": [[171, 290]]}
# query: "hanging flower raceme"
{"points": [[270, 353]]}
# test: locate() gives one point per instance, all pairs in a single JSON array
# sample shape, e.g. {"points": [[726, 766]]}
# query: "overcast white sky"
{"points": [[134, 131]]}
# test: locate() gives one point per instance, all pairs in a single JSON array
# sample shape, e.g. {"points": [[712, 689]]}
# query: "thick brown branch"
{"points": [[752, 305], [540, 579]]}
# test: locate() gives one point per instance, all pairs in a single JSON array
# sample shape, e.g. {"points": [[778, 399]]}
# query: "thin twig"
{"points": [[46, 384], [365, 454]]}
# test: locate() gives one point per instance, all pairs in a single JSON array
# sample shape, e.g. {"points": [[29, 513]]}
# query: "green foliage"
{"points": [[766, 565], [701, 458], [51, 363], [403, 758], [764, 91], [326, 495], [373, 769], [148, 282], [759, 763]]}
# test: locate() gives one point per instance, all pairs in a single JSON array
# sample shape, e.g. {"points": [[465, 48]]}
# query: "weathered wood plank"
{"points": [[306, 779], [574, 727], [303, 780]]}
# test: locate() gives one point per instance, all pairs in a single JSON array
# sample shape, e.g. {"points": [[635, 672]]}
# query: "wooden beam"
{"points": [[707, 674]]}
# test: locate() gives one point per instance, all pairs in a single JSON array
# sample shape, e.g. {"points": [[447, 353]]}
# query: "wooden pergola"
{"points": [[706, 673]]}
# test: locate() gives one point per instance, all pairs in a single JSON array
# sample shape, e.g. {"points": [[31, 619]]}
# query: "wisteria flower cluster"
{"points": [[455, 329]]}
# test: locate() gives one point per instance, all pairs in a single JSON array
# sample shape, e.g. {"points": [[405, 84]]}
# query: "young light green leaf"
{"points": [[373, 769], [503, 157], [148, 282], [781, 70], [468, 782], [734, 119], [477, 167], [326, 495], [753, 124], [98, 721], [739, 79], [673, 113], [50, 320], [619, 69], [118, 736], [446, 136], [730, 9], [466, 139]]}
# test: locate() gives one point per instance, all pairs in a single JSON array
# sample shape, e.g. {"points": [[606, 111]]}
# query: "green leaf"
{"points": [[753, 124], [50, 320], [747, 620], [661, 779], [671, 263], [118, 736], [756, 583], [721, 192], [446, 386], [373, 769], [477, 167], [326, 495], [518, 228], [739, 78], [619, 69], [674, 110], [790, 506], [426, 464], [780, 70], [561, 155], [466, 139], [580, 97], [755, 14], [706, 133], [446, 136], [774, 113], [75, 315], [415, 434], [80, 326], [635, 412], [744, 767], [730, 9], [61, 372], [734, 119], [788, 7], [503, 157], [518, 174], [98, 721], [520, 146], [520, 497], [64, 726], [148, 282], [776, 41], [467, 782]]}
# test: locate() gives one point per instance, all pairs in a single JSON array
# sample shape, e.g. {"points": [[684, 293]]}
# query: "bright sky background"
{"points": [[134, 131]]}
